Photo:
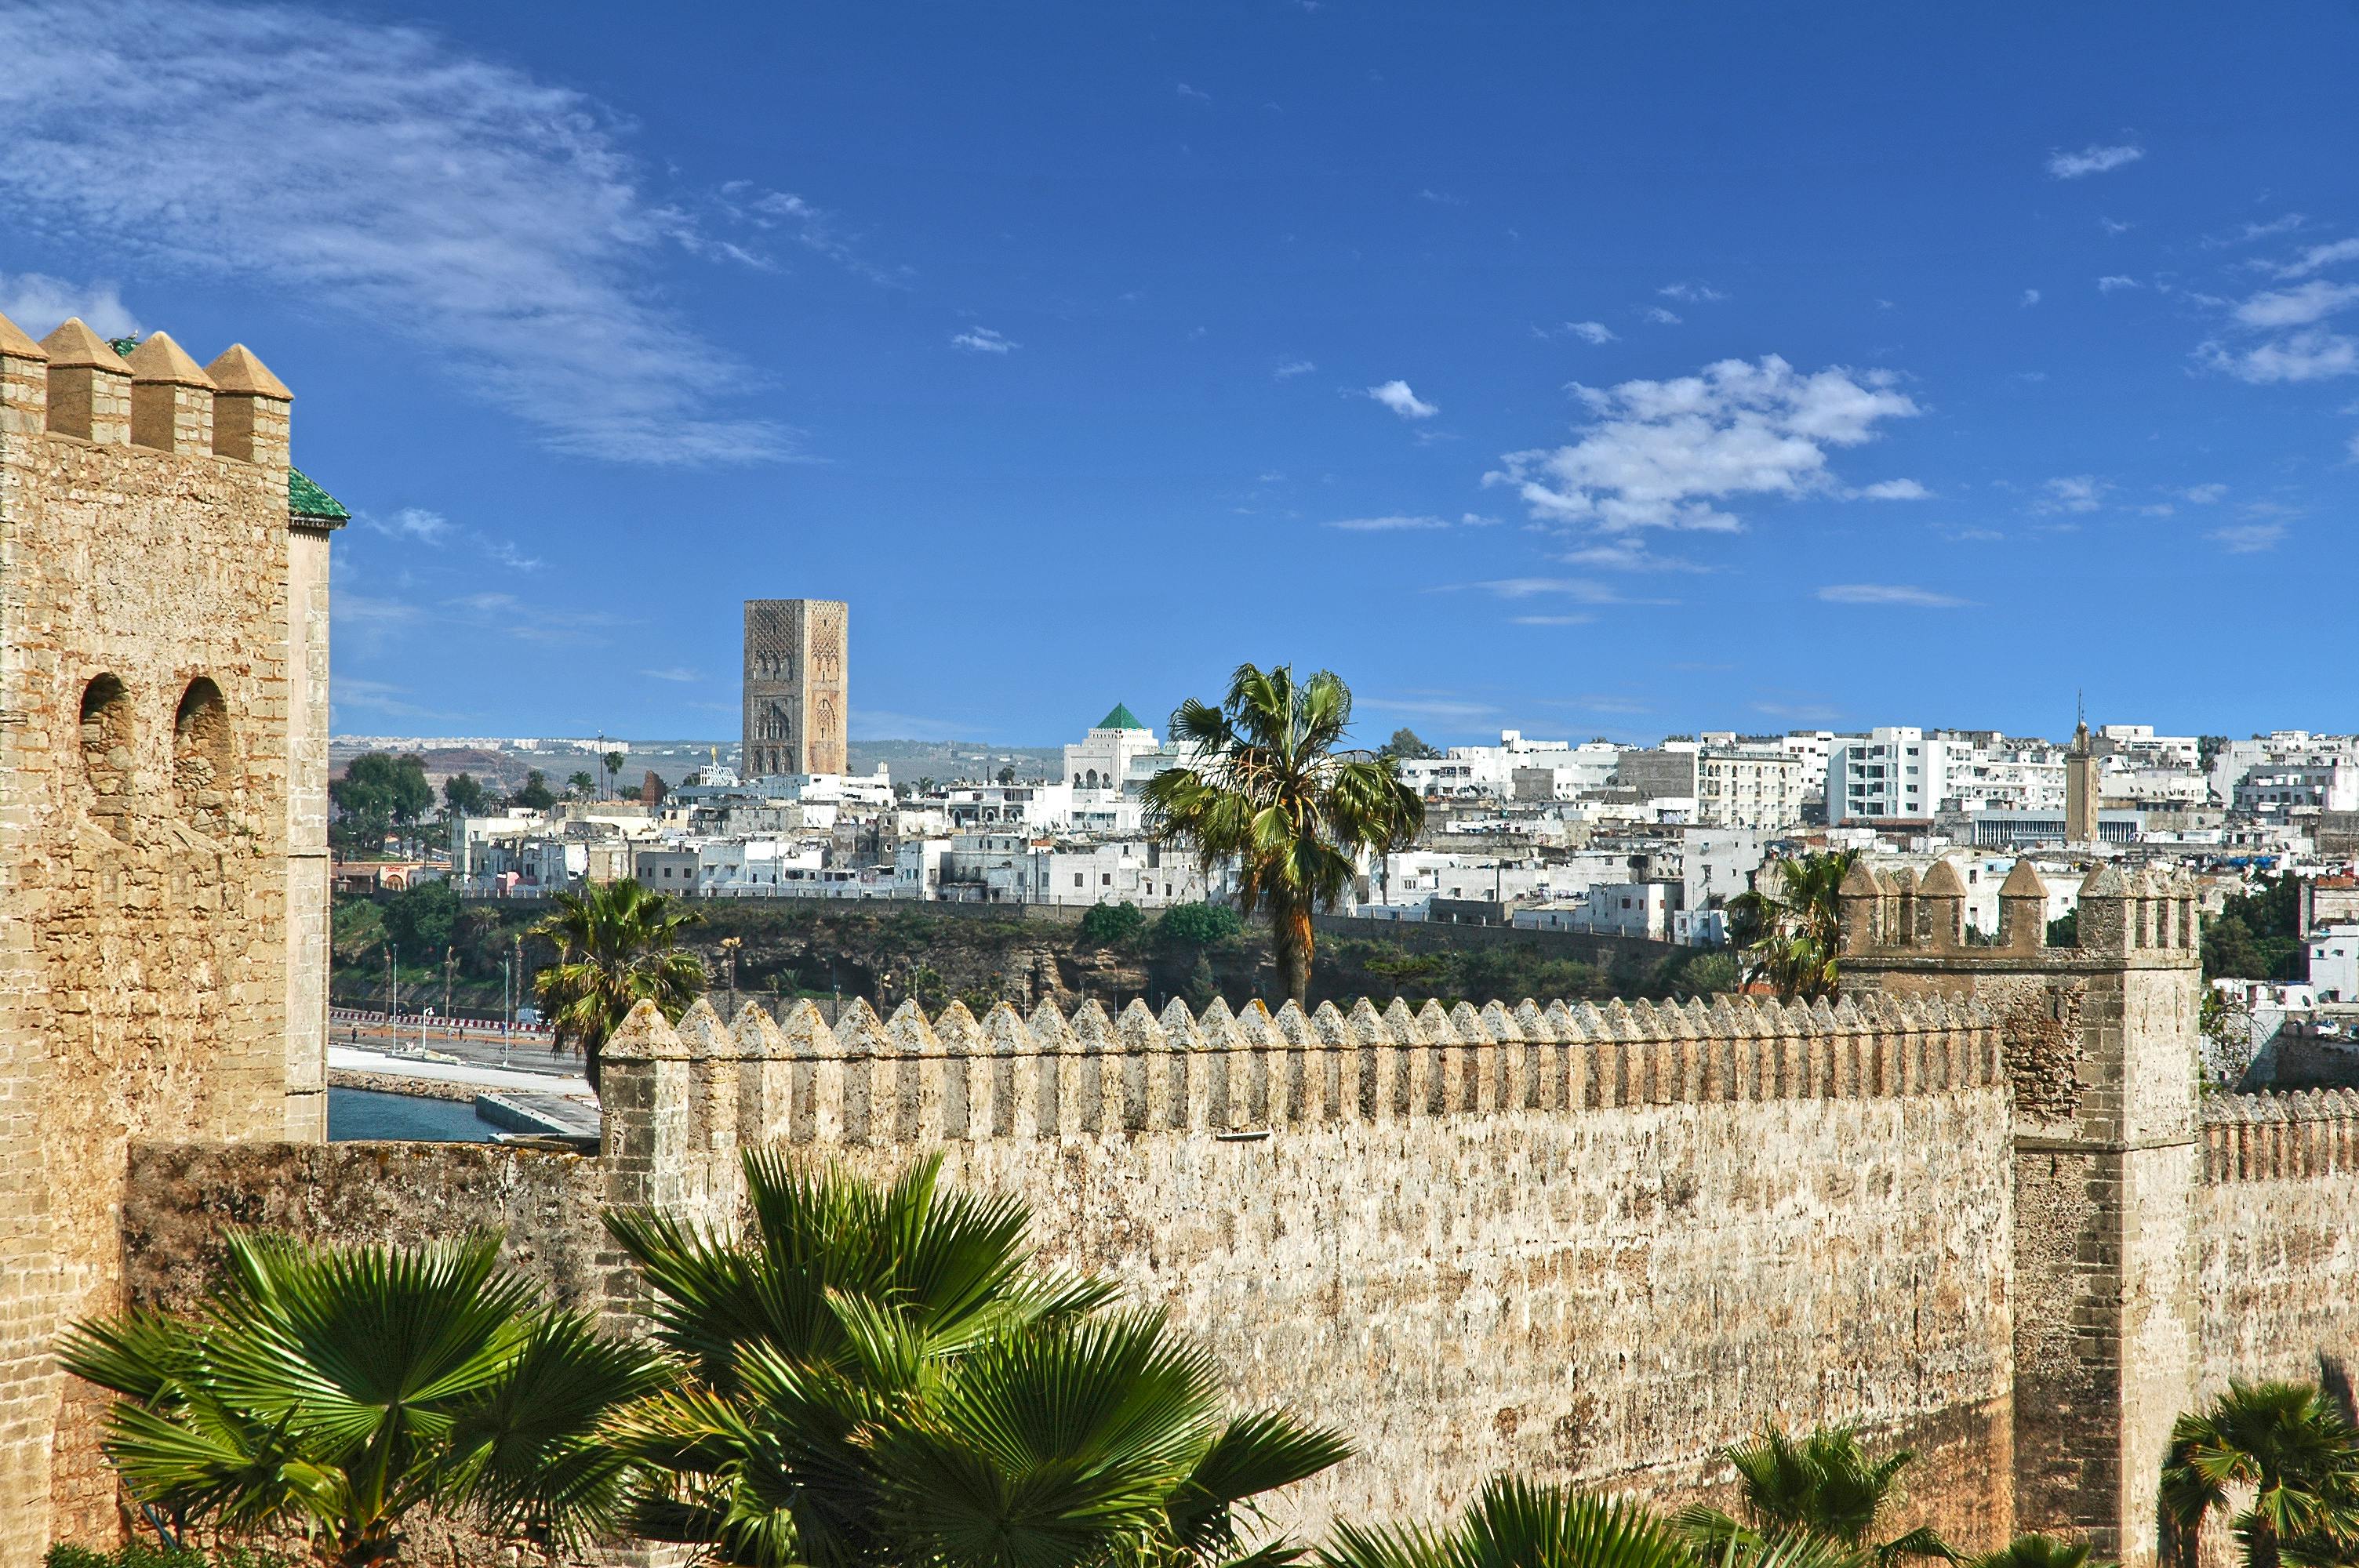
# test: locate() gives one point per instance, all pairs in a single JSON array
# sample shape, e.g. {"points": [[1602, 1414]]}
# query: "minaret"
{"points": [[2080, 788]]}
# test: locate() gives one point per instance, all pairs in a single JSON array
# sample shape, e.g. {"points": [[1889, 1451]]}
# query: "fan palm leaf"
{"points": [[2287, 1447]]}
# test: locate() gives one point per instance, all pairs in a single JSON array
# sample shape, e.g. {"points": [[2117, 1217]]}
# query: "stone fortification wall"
{"points": [[1587, 1243], [2277, 1238], [146, 833]]}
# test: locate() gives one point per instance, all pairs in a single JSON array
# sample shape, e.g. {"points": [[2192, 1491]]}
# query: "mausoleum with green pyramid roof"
{"points": [[1110, 761]]}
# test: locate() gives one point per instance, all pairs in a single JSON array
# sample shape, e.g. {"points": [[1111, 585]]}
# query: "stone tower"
{"points": [[163, 831], [797, 686], [2080, 791], [2100, 1043]]}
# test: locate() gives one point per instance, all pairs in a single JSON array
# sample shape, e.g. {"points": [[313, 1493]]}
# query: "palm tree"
{"points": [[1272, 789], [2033, 1550], [1823, 1488], [877, 1374], [333, 1394], [617, 945], [1516, 1523], [582, 785], [2295, 1454], [1790, 925]]}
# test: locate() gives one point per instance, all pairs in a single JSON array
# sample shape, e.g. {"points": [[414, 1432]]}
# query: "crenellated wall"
{"points": [[2277, 1238]]}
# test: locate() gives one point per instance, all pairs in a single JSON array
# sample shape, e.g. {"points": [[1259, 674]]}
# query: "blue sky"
{"points": [[1592, 370]]}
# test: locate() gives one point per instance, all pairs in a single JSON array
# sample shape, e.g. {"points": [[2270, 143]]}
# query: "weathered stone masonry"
{"points": [[163, 637]]}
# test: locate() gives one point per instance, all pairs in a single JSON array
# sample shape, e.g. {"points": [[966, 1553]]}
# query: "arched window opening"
{"points": [[106, 758], [205, 759]]}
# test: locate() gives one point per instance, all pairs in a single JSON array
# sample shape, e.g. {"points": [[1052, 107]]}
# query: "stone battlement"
{"points": [[73, 383], [914, 1081], [2275, 1137]]}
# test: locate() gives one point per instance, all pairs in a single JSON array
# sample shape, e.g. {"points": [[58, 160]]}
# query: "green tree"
{"points": [[582, 786], [1789, 926], [536, 793], [380, 791], [878, 1374], [422, 919], [617, 945], [2258, 934], [2285, 1448], [1823, 1488], [1407, 746], [2032, 1549], [2065, 931], [1198, 926], [332, 1394], [613, 762], [2208, 747], [1007, 774], [463, 795], [1274, 790], [1108, 923], [1517, 1523]]}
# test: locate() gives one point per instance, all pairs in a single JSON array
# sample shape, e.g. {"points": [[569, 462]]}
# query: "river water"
{"points": [[363, 1115]]}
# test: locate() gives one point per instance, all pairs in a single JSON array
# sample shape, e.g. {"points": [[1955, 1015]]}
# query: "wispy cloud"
{"points": [[1660, 317], [2203, 495], [1197, 93], [495, 220], [1551, 620], [2247, 538], [2094, 159], [2317, 256], [2073, 493], [2112, 282], [2310, 354], [982, 340], [1397, 396], [1893, 490], [2030, 297], [1579, 590], [1429, 707], [1390, 525], [1888, 593], [37, 302], [2299, 306], [1626, 553], [1440, 197], [1591, 333], [1293, 368], [412, 523], [674, 673], [1692, 292], [1662, 454]]}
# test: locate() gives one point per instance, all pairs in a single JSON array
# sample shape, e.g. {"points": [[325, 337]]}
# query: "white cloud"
{"points": [[507, 553], [2317, 256], [1428, 707], [1551, 620], [37, 303], [1660, 317], [2095, 158], [2299, 306], [674, 673], [2251, 232], [2307, 355], [1699, 292], [2112, 281], [495, 220], [1591, 331], [1476, 520], [982, 340], [2030, 297], [1293, 368], [1579, 590], [2073, 493], [1389, 525], [1198, 94], [2203, 495], [2247, 538], [1894, 490], [1397, 396], [1440, 197], [1626, 553], [1888, 593], [411, 523], [1659, 454]]}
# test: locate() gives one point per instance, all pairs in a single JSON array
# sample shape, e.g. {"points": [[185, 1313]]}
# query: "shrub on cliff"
{"points": [[332, 1394], [1109, 924], [1198, 926], [878, 1374]]}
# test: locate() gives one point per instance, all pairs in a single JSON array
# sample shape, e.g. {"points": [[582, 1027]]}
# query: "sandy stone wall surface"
{"points": [[2277, 1238], [144, 839]]}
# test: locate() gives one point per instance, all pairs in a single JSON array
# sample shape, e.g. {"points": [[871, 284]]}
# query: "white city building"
{"points": [[1107, 761], [1893, 770]]}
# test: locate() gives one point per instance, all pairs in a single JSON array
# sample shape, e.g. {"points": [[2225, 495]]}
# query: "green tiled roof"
{"points": [[1122, 718], [306, 502]]}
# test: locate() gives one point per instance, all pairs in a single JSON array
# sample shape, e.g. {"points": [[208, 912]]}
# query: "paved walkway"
{"points": [[571, 1085]]}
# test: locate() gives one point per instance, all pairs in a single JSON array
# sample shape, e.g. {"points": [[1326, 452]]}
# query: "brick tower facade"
{"points": [[797, 686]]}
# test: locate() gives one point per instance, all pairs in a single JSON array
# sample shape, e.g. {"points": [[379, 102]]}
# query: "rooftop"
{"points": [[1122, 718]]}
